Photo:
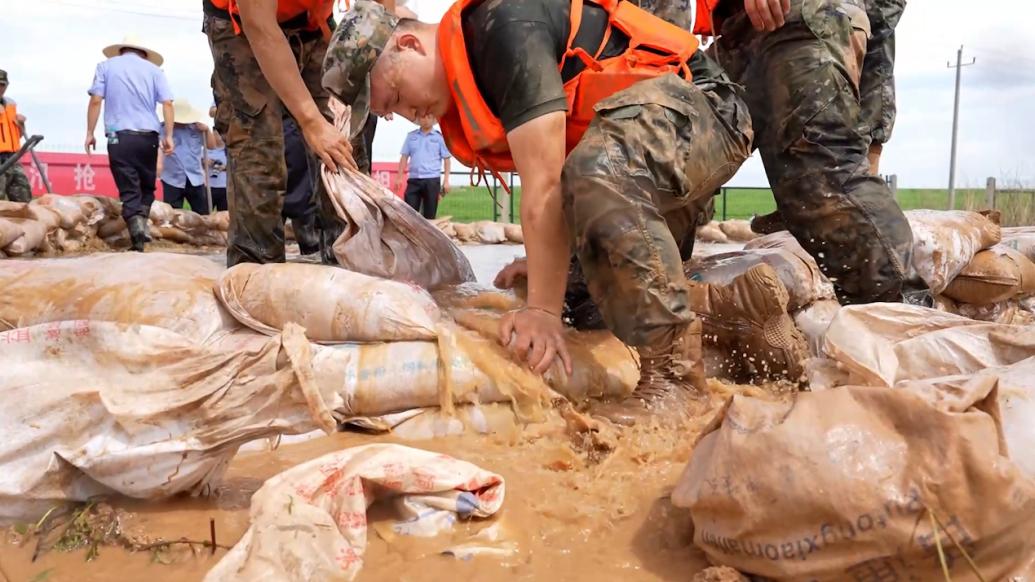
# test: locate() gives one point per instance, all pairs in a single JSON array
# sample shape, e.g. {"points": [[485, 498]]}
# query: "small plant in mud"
{"points": [[76, 526]]}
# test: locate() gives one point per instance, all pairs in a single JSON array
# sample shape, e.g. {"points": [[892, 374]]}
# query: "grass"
{"points": [[468, 204]]}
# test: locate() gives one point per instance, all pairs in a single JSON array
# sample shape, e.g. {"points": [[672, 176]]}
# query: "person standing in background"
{"points": [[426, 153], [217, 171], [181, 172], [132, 84], [14, 185]]}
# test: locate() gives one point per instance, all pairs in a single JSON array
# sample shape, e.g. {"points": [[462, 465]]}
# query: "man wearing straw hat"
{"points": [[130, 84], [181, 173]]}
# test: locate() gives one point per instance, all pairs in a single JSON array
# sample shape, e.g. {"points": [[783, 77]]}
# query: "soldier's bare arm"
{"points": [[535, 334], [271, 49]]}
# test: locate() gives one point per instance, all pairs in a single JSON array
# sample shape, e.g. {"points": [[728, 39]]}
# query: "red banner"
{"points": [[83, 174]]}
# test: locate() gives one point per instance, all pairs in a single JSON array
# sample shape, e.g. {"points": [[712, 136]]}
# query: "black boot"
{"points": [[139, 232]]}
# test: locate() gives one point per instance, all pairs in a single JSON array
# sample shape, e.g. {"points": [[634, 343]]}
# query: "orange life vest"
{"points": [[703, 18], [474, 134], [10, 133], [319, 12]]}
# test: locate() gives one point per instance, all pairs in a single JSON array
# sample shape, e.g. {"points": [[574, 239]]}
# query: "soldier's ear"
{"points": [[409, 41]]}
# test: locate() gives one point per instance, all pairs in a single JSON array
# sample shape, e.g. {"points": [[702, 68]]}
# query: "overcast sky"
{"points": [[51, 48]]}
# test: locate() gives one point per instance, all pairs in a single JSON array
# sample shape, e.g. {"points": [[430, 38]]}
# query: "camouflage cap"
{"points": [[354, 48], [3, 77]]}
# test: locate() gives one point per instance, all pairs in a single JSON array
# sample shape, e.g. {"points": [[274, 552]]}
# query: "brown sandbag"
{"points": [[945, 242], [112, 207], [68, 209], [1008, 312], [188, 220], [711, 233], [465, 232], [218, 221], [112, 227], [994, 275], [799, 275], [9, 232], [1021, 239], [162, 213], [737, 230], [514, 233], [386, 237], [9, 209], [45, 215], [33, 233], [860, 483], [171, 233], [489, 232]]}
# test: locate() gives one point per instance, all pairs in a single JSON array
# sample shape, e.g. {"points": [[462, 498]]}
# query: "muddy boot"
{"points": [[671, 380], [768, 223], [748, 318], [306, 236], [139, 232]]}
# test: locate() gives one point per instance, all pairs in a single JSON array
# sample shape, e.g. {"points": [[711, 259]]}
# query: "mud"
{"points": [[571, 513]]}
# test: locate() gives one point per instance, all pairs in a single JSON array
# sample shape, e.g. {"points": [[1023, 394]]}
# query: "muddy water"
{"points": [[571, 518]]}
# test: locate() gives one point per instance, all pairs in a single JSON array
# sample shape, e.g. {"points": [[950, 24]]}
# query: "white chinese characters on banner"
{"points": [[84, 174]]}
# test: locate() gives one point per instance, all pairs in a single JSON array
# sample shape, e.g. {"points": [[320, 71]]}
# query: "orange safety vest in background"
{"points": [[10, 133], [319, 12], [703, 17], [476, 137]]}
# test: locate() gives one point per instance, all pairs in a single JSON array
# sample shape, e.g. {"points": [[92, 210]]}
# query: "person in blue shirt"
{"points": [[130, 84], [217, 172], [182, 173], [426, 153]]}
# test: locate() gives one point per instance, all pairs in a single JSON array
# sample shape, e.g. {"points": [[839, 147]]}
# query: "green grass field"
{"points": [[469, 204]]}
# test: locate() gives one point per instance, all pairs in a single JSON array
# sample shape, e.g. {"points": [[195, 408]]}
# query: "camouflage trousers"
{"points": [[254, 136], [634, 189], [877, 82], [802, 86], [14, 185]]}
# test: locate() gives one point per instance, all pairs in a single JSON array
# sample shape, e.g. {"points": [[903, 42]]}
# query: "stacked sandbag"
{"points": [[484, 232], [168, 290], [23, 231], [992, 276], [737, 230], [711, 233], [945, 242]]}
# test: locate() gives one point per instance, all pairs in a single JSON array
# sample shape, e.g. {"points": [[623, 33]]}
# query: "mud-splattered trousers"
{"points": [[257, 174], [634, 188], [877, 81], [801, 83], [14, 185]]}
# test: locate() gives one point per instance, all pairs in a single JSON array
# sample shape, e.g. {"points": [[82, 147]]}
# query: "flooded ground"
{"points": [[573, 516]]}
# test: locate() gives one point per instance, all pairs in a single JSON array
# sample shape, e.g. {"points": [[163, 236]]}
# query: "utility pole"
{"points": [[955, 125]]}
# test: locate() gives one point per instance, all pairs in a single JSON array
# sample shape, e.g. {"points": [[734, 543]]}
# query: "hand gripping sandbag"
{"points": [[386, 238], [310, 522], [96, 408], [332, 304]]}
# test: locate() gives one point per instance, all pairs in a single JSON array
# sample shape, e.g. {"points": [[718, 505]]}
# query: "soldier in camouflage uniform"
{"points": [[802, 83], [630, 193], [254, 136], [14, 185]]}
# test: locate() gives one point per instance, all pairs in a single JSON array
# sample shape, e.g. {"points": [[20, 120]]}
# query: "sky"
{"points": [[53, 46]]}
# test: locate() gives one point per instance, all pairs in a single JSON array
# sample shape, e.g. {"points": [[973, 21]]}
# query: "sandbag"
{"points": [[711, 233], [465, 232], [737, 230], [330, 303], [800, 275], [1021, 239], [45, 215], [93, 210], [945, 241], [329, 497], [69, 210], [112, 207], [111, 227], [9, 232], [188, 220], [167, 290], [881, 344], [219, 220], [11, 209], [489, 232], [994, 275], [215, 238], [814, 320], [33, 233], [385, 237], [162, 213], [170, 233], [95, 408], [514, 233], [859, 483]]}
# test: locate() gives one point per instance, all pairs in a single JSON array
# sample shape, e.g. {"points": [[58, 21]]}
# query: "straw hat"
{"points": [[132, 42], [184, 112]]}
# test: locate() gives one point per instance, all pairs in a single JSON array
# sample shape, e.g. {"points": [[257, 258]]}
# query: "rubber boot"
{"points": [[671, 379], [138, 232], [748, 319], [768, 223], [305, 234]]}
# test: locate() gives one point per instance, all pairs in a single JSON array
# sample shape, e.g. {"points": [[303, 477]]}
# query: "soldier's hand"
{"points": [[90, 144], [767, 15], [518, 269], [536, 337], [330, 145]]}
